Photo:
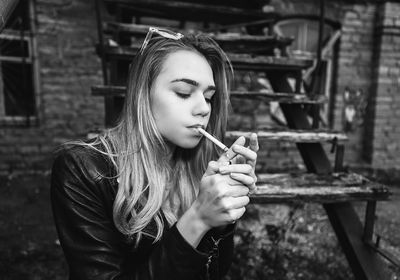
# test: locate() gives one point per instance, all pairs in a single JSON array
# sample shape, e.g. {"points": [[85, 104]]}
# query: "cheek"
{"points": [[158, 110], [167, 113], [159, 104]]}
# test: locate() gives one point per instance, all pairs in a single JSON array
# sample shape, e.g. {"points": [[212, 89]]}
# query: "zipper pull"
{"points": [[208, 267], [216, 242]]}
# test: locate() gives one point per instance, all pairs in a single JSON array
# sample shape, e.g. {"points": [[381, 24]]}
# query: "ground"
{"points": [[304, 248]]}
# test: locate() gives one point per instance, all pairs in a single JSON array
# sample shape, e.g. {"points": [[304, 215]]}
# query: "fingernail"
{"points": [[253, 190], [230, 153]]}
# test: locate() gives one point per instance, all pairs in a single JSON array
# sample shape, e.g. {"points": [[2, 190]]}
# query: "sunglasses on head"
{"points": [[162, 32]]}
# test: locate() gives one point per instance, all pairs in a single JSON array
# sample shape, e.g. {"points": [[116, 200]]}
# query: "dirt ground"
{"points": [[29, 248]]}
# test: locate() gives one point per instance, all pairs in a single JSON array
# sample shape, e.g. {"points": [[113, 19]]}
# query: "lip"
{"points": [[197, 126], [195, 129]]}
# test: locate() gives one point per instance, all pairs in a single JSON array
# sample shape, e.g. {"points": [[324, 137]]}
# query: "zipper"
{"points": [[213, 253], [208, 267]]}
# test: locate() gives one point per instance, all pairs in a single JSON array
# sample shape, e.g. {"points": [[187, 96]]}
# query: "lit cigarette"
{"points": [[213, 139]]}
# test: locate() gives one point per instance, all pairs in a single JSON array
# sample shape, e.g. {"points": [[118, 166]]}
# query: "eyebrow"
{"points": [[193, 83]]}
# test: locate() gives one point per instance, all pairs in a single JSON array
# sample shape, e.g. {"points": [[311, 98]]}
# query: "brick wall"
{"points": [[66, 34], [368, 71], [355, 73], [383, 149]]}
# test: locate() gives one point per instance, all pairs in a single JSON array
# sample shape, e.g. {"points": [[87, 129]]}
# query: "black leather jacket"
{"points": [[82, 204]]}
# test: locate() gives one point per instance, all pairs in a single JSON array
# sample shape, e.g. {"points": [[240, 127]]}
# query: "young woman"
{"points": [[151, 198]]}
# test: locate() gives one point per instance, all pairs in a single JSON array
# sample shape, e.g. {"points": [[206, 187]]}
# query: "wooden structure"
{"points": [[324, 183]]}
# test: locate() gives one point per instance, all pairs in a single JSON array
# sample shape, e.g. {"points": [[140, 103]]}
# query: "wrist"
{"points": [[197, 219], [192, 227]]}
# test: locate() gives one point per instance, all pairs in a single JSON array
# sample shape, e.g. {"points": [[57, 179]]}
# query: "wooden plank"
{"points": [[279, 97], [18, 120], [263, 63], [264, 96], [267, 193], [190, 11], [311, 187], [108, 90], [313, 154], [259, 24], [369, 221], [239, 61], [2, 103], [129, 28], [234, 42], [339, 156], [142, 29], [289, 136], [364, 263], [297, 136], [364, 260], [312, 179]]}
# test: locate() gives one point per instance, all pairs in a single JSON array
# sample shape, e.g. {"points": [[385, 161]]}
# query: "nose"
{"points": [[201, 106]]}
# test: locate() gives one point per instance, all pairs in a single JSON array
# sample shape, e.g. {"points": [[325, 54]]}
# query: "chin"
{"points": [[188, 144]]}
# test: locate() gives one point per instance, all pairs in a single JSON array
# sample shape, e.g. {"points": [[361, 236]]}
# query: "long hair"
{"points": [[148, 184]]}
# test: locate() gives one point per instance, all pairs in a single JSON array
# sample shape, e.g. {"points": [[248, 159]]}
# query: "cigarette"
{"points": [[213, 139]]}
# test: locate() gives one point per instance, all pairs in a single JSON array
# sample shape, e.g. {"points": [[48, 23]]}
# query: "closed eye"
{"points": [[183, 95]]}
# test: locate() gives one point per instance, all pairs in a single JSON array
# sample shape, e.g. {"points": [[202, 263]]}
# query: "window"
{"points": [[18, 75]]}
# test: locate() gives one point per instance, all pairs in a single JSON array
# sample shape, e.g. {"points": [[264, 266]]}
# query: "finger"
{"points": [[237, 191], [212, 168], [230, 203], [244, 179], [235, 214], [253, 143], [249, 154], [237, 168], [225, 157], [249, 189], [252, 189], [231, 182]]}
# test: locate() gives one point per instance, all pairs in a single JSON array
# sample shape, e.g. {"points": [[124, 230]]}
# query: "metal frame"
{"points": [[30, 38]]}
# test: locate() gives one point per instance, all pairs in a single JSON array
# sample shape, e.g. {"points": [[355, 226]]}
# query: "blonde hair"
{"points": [[147, 182]]}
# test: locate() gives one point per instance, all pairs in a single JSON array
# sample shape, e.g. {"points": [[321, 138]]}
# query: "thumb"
{"points": [[212, 168], [228, 155]]}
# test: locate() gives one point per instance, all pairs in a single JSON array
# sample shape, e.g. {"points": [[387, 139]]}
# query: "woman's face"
{"points": [[180, 98]]}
